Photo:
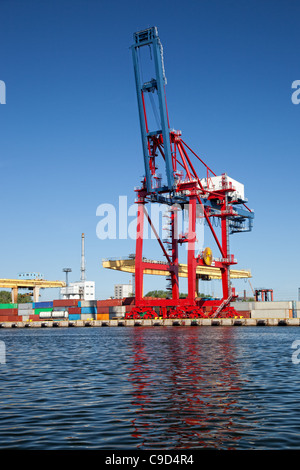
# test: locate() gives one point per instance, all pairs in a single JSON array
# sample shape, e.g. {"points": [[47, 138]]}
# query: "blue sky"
{"points": [[70, 137]]}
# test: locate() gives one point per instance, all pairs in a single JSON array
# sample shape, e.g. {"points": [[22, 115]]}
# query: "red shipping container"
{"points": [[102, 310], [244, 313], [65, 303], [129, 301], [109, 302], [14, 318], [8, 311], [10, 318], [75, 310]]}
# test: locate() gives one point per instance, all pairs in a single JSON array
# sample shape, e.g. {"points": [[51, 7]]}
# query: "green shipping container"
{"points": [[8, 305], [37, 311]]}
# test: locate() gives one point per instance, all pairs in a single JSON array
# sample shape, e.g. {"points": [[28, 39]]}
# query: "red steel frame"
{"points": [[191, 186]]}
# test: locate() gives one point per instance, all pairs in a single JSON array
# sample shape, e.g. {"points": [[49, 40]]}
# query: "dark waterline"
{"points": [[150, 388]]}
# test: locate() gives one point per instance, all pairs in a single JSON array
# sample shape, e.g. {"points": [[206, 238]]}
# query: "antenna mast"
{"points": [[82, 269]]}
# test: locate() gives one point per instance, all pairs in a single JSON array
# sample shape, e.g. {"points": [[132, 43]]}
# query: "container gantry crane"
{"points": [[217, 197]]}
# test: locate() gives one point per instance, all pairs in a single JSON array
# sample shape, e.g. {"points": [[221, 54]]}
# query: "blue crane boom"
{"points": [[149, 37], [167, 142]]}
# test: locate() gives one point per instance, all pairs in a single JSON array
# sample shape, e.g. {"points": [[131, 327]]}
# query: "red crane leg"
{"points": [[191, 251], [139, 274], [174, 273], [225, 247]]}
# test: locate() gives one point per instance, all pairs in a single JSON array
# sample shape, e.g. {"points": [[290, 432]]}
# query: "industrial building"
{"points": [[79, 290], [123, 290]]}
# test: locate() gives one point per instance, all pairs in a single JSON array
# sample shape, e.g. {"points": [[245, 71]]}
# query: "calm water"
{"points": [[150, 388]]}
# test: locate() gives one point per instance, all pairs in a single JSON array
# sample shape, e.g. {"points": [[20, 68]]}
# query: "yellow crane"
{"points": [[159, 268], [34, 284]]}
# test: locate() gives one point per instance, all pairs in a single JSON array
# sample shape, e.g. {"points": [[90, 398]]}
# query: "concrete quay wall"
{"points": [[158, 322]]}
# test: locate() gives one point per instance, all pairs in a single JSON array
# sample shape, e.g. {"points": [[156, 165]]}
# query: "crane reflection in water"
{"points": [[187, 388]]}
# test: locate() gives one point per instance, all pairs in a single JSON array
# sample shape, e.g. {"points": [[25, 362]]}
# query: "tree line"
{"points": [[6, 298]]}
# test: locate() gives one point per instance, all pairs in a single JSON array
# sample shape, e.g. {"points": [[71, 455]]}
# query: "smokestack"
{"points": [[82, 278]]}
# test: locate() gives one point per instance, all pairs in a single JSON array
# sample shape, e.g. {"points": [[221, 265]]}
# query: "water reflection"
{"points": [[185, 382]]}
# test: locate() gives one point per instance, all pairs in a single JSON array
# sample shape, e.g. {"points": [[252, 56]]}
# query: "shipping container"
{"points": [[65, 303], [279, 313], [102, 316], [26, 306], [37, 311], [102, 310], [10, 305], [60, 314], [109, 302], [75, 310], [8, 311], [244, 313], [45, 314], [74, 316], [10, 318], [87, 316], [89, 310], [117, 309], [42, 304], [26, 311], [34, 318], [128, 301], [87, 303], [62, 307]]}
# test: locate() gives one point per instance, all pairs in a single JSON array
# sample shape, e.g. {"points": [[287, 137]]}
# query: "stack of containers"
{"points": [[26, 312], [73, 309], [102, 310], [67, 307], [43, 310], [110, 308], [88, 309], [9, 312]]}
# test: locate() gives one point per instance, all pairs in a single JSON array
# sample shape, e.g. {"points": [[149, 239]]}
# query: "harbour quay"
{"points": [[166, 322]]}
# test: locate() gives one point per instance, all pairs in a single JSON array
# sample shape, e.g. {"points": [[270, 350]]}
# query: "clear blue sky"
{"points": [[70, 136]]}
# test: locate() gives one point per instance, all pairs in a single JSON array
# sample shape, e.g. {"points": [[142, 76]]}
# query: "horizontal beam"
{"points": [[160, 269], [10, 283]]}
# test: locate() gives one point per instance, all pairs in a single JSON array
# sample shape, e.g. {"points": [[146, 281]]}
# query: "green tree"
{"points": [[5, 297], [162, 294], [158, 294], [24, 298]]}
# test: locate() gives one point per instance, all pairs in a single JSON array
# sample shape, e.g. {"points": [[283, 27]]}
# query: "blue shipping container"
{"points": [[74, 316], [88, 309], [42, 304]]}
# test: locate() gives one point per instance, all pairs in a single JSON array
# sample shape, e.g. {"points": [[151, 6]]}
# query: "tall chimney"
{"points": [[82, 278]]}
